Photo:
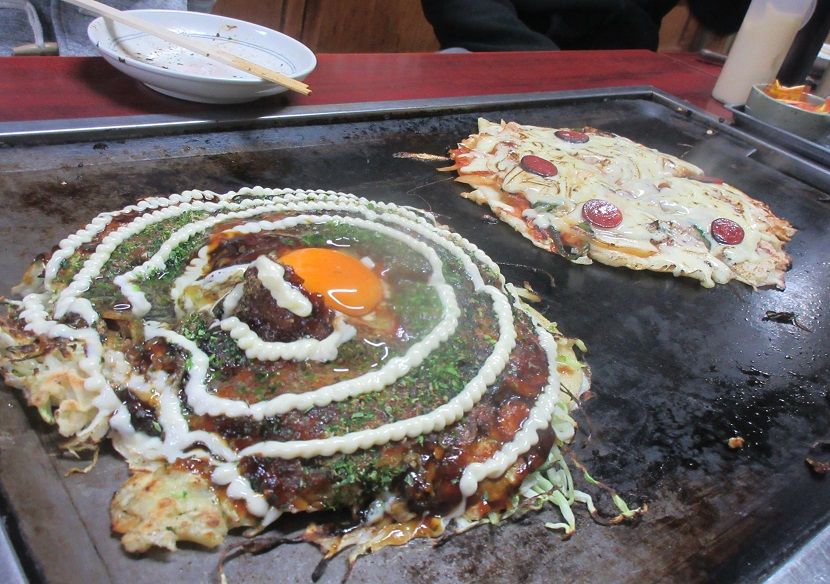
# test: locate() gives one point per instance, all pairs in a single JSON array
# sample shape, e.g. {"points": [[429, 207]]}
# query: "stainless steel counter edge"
{"points": [[29, 132], [809, 565], [32, 133], [11, 571]]}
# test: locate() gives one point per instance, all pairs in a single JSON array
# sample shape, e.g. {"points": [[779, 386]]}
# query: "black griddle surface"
{"points": [[678, 369]]}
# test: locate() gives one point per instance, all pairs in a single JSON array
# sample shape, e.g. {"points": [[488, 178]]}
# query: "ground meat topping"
{"points": [[271, 322]]}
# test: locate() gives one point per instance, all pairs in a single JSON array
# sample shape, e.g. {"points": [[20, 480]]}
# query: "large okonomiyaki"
{"points": [[278, 351]]}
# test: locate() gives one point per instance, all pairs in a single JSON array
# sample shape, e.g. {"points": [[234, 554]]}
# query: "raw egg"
{"points": [[345, 283]]}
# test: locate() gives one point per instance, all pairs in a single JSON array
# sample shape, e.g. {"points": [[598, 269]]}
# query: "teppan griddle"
{"points": [[678, 369]]}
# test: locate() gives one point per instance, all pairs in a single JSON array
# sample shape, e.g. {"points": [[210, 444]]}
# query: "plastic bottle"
{"points": [[766, 34]]}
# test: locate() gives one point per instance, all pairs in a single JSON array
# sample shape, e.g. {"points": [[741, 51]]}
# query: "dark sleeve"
{"points": [[720, 16], [482, 25]]}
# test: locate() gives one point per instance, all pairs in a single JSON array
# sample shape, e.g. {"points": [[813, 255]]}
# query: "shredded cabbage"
{"points": [[553, 483]]}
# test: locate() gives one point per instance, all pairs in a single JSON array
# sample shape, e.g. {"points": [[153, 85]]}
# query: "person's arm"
{"points": [[482, 25]]}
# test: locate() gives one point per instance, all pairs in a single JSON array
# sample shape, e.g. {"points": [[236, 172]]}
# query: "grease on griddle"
{"points": [[421, 156], [83, 469], [756, 376], [584, 397], [818, 457], [624, 513], [257, 545], [753, 371], [584, 427], [321, 566], [784, 318], [536, 270], [755, 410]]}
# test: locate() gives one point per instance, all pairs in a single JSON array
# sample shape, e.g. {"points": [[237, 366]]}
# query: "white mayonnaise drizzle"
{"points": [[306, 349], [68, 246], [375, 380], [231, 301], [326, 349], [177, 439], [240, 488], [272, 276], [38, 322], [540, 417], [434, 421]]}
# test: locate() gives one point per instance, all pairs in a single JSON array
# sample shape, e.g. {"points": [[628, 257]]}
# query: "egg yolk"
{"points": [[345, 283]]}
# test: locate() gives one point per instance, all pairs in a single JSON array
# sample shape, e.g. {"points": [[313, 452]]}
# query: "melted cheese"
{"points": [[666, 213]]}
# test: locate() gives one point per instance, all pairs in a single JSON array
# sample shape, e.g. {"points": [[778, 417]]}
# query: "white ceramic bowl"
{"points": [[180, 73]]}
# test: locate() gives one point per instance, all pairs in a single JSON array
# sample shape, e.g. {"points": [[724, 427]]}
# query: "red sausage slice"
{"points": [[726, 231], [602, 213], [538, 165], [572, 136]]}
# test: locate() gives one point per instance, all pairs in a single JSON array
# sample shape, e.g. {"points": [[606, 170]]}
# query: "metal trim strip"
{"points": [[75, 129]]}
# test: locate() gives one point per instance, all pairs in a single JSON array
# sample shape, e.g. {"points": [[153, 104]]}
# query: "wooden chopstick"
{"points": [[214, 53]]}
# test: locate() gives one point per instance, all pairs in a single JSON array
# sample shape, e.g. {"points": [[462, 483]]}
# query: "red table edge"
{"points": [[97, 90]]}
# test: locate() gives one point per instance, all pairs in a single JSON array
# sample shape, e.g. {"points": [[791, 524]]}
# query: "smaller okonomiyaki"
{"points": [[281, 351], [592, 195]]}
